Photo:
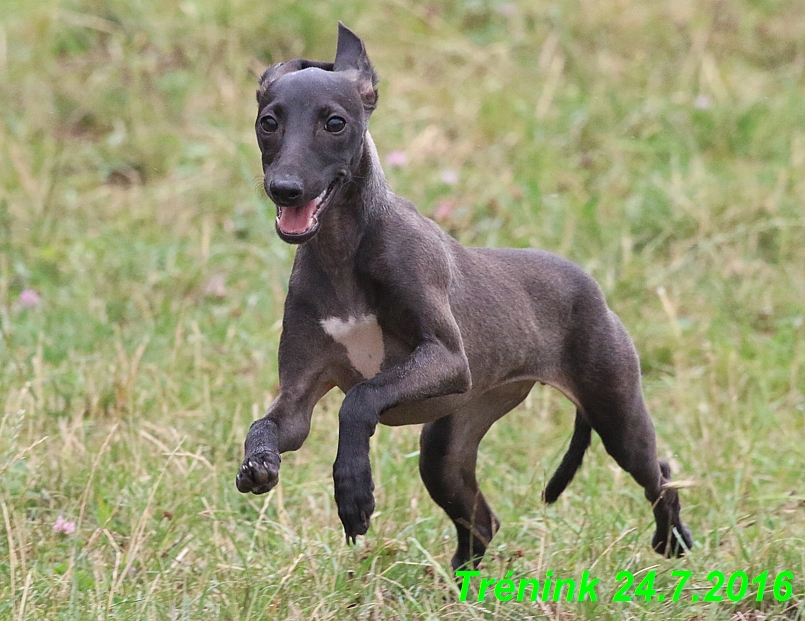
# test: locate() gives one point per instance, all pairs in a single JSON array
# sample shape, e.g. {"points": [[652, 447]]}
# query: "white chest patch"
{"points": [[363, 339]]}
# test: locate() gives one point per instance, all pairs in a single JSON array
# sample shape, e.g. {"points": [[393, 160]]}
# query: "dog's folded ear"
{"points": [[351, 56], [272, 74]]}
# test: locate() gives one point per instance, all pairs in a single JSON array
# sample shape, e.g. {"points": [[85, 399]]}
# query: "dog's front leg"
{"points": [[438, 366], [303, 357], [284, 428]]}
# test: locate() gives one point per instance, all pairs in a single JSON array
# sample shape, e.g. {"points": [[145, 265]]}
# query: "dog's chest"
{"points": [[362, 337]]}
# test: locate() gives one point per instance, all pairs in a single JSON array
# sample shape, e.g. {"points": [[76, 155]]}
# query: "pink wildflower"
{"points": [[29, 298], [450, 177], [216, 287], [63, 526], [508, 9], [444, 209], [397, 159]]}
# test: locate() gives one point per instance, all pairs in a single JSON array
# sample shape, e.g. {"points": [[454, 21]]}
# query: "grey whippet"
{"points": [[415, 328]]}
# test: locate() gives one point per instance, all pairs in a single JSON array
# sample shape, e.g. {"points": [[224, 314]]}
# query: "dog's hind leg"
{"points": [[612, 404], [631, 442], [447, 459]]}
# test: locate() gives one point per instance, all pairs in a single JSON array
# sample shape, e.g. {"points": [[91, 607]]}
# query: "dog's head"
{"points": [[310, 126]]}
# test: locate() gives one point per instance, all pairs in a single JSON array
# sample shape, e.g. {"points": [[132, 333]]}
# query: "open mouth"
{"points": [[299, 223]]}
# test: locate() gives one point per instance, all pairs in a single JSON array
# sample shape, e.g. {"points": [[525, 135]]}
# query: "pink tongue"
{"points": [[297, 220]]}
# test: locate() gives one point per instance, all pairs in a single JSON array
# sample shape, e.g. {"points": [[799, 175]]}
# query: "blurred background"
{"points": [[659, 144]]}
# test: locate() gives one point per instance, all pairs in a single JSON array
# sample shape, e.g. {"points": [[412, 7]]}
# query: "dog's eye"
{"points": [[335, 124], [269, 124]]}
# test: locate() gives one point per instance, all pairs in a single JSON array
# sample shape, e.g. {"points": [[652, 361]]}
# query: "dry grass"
{"points": [[661, 145]]}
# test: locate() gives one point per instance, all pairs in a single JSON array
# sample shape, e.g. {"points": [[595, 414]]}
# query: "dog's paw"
{"points": [[258, 473], [354, 498], [673, 544]]}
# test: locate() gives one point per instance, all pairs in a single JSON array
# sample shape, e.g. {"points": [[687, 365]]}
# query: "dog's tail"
{"points": [[570, 462]]}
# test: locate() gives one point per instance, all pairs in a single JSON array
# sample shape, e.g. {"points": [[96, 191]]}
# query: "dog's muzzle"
{"points": [[299, 223]]}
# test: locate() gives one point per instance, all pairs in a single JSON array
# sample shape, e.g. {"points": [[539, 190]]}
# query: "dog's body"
{"points": [[415, 328]]}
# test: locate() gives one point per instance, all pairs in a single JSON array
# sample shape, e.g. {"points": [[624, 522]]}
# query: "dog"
{"points": [[416, 329]]}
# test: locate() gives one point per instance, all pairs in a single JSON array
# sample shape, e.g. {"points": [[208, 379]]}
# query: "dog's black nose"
{"points": [[286, 191]]}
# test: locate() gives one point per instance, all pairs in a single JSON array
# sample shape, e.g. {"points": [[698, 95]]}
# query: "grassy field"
{"points": [[659, 144]]}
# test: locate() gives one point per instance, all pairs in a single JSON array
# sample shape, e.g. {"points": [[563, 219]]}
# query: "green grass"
{"points": [[661, 145]]}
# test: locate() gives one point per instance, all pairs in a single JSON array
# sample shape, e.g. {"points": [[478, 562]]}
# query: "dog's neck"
{"points": [[362, 200], [375, 190]]}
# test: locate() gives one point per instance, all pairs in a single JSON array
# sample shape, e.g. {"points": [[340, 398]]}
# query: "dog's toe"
{"points": [[356, 517], [354, 499], [258, 473], [674, 544]]}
